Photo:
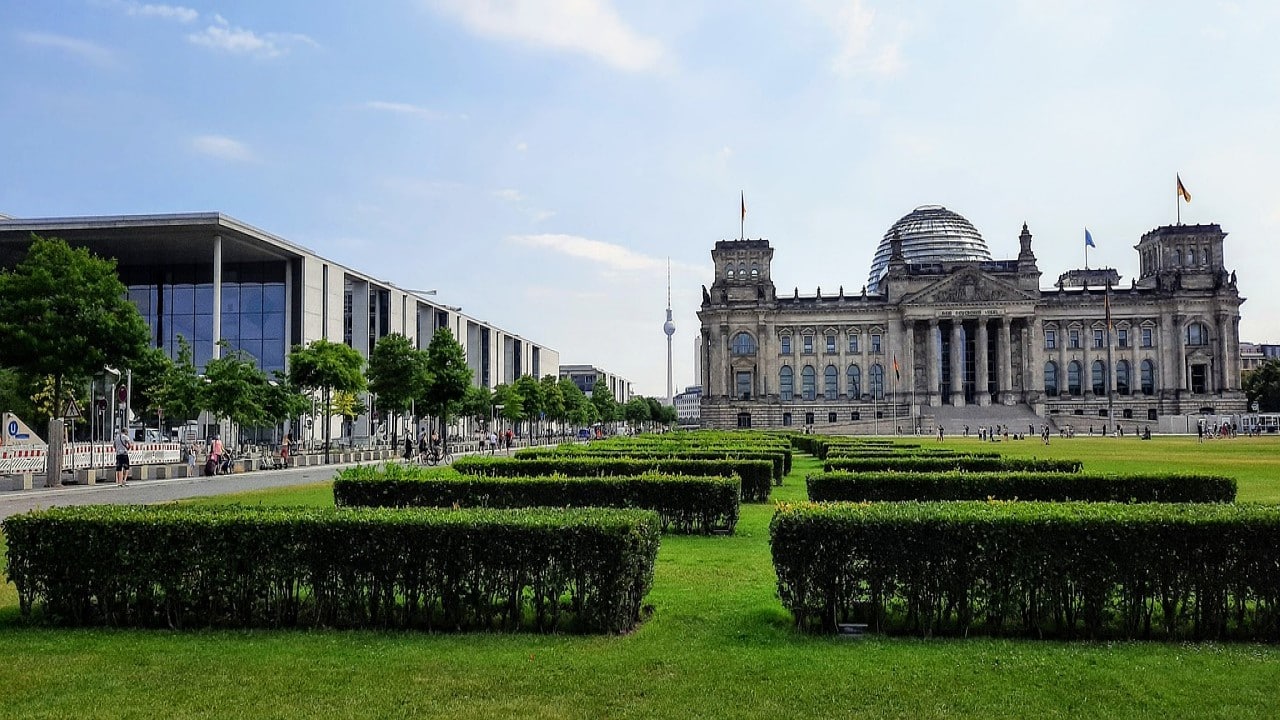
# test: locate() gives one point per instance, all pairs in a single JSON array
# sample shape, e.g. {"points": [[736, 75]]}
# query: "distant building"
{"points": [[1253, 355], [587, 376], [688, 405], [210, 278], [943, 334]]}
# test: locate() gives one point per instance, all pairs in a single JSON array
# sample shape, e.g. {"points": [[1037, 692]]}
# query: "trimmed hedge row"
{"points": [[1202, 571], [585, 570], [756, 475], [891, 486], [781, 462], [949, 464], [844, 451], [684, 504]]}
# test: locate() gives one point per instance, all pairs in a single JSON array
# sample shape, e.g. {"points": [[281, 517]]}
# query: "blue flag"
{"points": [[1088, 239]]}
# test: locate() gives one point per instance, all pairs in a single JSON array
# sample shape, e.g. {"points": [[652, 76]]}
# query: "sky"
{"points": [[540, 162]]}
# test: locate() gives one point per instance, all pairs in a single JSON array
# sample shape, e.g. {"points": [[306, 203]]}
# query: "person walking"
{"points": [[284, 449], [123, 446]]}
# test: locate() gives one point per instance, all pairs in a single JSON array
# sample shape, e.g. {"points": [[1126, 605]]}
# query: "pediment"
{"points": [[969, 286]]}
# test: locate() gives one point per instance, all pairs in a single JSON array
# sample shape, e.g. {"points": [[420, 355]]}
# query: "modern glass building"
{"points": [[207, 277]]}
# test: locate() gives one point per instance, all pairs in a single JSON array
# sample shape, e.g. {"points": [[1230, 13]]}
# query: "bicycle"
{"points": [[437, 456]]}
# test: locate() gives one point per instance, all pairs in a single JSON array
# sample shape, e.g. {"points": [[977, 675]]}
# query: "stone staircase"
{"points": [[1018, 418]]}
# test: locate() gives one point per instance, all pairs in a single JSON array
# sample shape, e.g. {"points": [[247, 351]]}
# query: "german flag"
{"points": [[1182, 190]]}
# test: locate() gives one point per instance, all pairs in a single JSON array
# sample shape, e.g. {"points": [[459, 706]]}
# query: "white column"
{"points": [[957, 364], [217, 295], [933, 364], [980, 357], [1004, 362]]}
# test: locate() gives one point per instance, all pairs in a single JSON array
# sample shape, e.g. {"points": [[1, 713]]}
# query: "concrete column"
{"points": [[957, 363], [933, 364], [1004, 362], [1033, 358], [907, 359], [1223, 375], [1063, 334], [217, 295], [1180, 345], [1086, 353], [980, 357]]}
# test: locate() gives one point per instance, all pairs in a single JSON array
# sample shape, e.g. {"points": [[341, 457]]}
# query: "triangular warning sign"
{"points": [[73, 410]]}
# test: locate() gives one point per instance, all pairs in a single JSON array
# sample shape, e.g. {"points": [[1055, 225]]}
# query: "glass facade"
{"points": [[178, 300]]}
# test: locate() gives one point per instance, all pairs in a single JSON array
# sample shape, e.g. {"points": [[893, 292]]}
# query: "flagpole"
{"points": [[742, 225], [1177, 202]]}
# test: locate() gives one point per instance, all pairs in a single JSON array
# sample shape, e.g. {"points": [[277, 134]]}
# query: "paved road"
{"points": [[153, 491]]}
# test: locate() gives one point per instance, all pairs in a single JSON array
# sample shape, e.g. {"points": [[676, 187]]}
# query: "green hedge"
{"points": [[1200, 571], [948, 464], [781, 461], [683, 503], [756, 475], [895, 486], [182, 566]]}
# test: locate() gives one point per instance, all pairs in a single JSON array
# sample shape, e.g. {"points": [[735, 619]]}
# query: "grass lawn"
{"points": [[718, 645]]}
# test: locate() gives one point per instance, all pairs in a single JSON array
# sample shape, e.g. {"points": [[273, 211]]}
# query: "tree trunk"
{"points": [[328, 416]]}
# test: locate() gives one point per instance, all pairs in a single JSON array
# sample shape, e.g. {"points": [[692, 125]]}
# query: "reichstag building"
{"points": [[943, 334]]}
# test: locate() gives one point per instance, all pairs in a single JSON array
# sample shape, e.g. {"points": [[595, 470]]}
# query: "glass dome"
{"points": [[930, 233]]}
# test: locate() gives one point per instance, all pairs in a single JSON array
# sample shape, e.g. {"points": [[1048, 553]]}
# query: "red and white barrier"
{"points": [[77, 456]]}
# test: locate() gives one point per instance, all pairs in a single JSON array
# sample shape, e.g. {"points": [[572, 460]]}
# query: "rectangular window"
{"points": [[786, 344], [831, 417], [808, 418], [1122, 338], [1099, 340], [808, 344], [743, 385], [786, 419], [831, 344], [875, 344], [1146, 337], [1050, 339], [1074, 337], [853, 343]]}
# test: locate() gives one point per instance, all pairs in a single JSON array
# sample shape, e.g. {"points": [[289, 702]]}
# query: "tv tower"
{"points": [[670, 329]]}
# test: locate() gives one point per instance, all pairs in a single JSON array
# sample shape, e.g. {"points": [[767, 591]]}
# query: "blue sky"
{"points": [[538, 162]]}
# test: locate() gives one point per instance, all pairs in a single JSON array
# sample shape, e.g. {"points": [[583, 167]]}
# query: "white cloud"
{"points": [[522, 147], [866, 46], [403, 109], [614, 257], [222, 147], [85, 50], [510, 195], [165, 12], [221, 35], [590, 27]]}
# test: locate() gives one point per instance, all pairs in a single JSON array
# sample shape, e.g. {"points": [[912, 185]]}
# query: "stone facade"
{"points": [[974, 334]]}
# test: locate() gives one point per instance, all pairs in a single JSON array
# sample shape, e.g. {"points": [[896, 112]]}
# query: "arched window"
{"points": [[786, 382], [1148, 377], [853, 382], [1051, 378], [1122, 377], [1191, 256], [744, 344], [742, 271], [877, 381], [807, 382], [755, 271], [728, 271], [1099, 377], [1197, 334], [1073, 377], [830, 383], [1177, 257]]}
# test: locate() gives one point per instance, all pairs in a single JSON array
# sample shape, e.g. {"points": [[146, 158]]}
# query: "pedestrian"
{"points": [[408, 446], [493, 442], [123, 446], [215, 456], [284, 449]]}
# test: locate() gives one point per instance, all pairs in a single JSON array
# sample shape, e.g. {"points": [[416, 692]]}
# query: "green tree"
{"points": [[64, 315], [477, 404], [326, 367], [636, 411], [234, 388], [552, 399], [604, 402], [448, 378], [578, 409], [530, 392], [180, 388], [150, 370], [1262, 385], [282, 401], [512, 404], [397, 375], [348, 405]]}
